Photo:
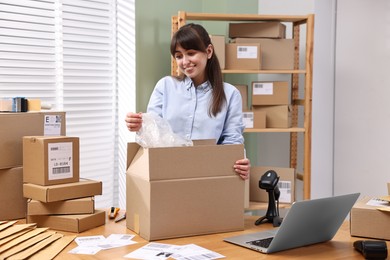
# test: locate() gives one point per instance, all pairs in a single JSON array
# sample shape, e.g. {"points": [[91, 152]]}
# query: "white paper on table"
{"points": [[85, 250], [117, 240], [195, 252], [154, 251]]}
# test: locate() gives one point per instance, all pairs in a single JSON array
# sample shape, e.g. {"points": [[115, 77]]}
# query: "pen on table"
{"points": [[121, 217]]}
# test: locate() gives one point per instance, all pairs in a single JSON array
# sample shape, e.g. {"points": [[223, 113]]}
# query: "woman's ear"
{"points": [[210, 51]]}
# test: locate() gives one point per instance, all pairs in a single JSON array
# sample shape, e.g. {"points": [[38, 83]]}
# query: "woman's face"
{"points": [[193, 63]]}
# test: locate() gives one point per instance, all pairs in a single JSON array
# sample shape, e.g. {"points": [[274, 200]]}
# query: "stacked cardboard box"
{"points": [[13, 127], [266, 39], [57, 197]]}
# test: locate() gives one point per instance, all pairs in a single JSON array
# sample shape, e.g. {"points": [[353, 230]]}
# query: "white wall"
{"points": [[362, 97]]}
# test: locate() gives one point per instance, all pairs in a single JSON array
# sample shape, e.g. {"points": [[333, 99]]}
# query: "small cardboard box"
{"points": [[286, 184], [12, 202], [276, 54], [64, 207], [368, 221], [184, 191], [83, 188], [243, 56], [259, 119], [219, 43], [244, 95], [49, 160], [270, 93], [257, 29], [16, 125], [276, 116], [70, 223]]}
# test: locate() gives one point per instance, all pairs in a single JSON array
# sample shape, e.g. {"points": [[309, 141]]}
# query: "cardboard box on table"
{"points": [[12, 203], [183, 191], [286, 184], [16, 125], [71, 223], [66, 207], [59, 192], [367, 220], [49, 160]]}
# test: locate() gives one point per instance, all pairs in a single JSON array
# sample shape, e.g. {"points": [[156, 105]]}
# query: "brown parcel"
{"points": [[276, 54], [259, 29], [244, 95], [270, 93], [63, 207], [71, 223], [243, 56], [83, 188], [368, 221], [276, 116], [49, 160], [16, 125], [286, 184], [12, 203], [183, 191], [218, 42]]}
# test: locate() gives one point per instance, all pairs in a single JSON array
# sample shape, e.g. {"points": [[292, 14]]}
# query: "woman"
{"points": [[197, 105]]}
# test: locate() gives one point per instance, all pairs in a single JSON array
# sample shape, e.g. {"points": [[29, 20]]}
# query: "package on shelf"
{"points": [[277, 116], [286, 184], [49, 160], [243, 56], [270, 93], [12, 203], [219, 42], [202, 193], [16, 125], [276, 54], [257, 29], [243, 88]]}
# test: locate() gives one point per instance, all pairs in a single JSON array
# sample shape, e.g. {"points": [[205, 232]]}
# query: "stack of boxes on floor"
{"points": [[57, 197], [13, 127]]}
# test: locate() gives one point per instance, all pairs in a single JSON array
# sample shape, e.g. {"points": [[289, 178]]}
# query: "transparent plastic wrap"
{"points": [[156, 132]]}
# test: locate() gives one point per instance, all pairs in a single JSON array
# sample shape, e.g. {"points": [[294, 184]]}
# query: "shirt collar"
{"points": [[205, 86]]}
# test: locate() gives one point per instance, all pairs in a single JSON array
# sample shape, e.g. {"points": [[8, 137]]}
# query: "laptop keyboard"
{"points": [[261, 242]]}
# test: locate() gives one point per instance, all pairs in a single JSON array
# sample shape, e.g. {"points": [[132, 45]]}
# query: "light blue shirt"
{"points": [[186, 110]]}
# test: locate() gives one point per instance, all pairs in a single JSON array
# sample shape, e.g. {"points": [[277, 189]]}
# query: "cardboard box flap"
{"points": [[185, 162]]}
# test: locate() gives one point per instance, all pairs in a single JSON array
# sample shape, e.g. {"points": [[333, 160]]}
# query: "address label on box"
{"points": [[247, 118], [246, 52], [263, 88], [60, 160], [52, 125]]}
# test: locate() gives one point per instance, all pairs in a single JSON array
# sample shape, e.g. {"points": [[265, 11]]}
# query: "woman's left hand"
{"points": [[242, 168]]}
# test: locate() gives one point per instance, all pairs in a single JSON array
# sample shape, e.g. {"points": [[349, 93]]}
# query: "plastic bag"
{"points": [[156, 132]]}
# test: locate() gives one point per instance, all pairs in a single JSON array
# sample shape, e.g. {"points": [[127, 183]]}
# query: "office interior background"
{"points": [[99, 59]]}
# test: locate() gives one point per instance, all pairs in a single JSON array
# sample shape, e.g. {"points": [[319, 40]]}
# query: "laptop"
{"points": [[307, 222]]}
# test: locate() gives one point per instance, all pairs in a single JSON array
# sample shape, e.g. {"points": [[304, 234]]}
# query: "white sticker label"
{"points": [[247, 118], [52, 125], [263, 88], [246, 52], [285, 191], [60, 161]]}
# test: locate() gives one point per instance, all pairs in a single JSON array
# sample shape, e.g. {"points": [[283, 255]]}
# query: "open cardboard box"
{"points": [[183, 191]]}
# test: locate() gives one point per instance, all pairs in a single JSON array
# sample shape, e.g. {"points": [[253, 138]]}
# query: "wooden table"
{"points": [[340, 247]]}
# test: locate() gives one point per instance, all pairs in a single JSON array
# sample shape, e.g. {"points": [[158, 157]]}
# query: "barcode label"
{"points": [[247, 119], [264, 88], [285, 191], [61, 170], [247, 52]]}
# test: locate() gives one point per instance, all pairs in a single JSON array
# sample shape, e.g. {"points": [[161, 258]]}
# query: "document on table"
{"points": [[161, 251], [90, 245]]}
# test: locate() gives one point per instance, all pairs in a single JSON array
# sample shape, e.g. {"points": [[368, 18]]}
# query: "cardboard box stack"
{"points": [[57, 197], [370, 217], [183, 191], [13, 127], [263, 46]]}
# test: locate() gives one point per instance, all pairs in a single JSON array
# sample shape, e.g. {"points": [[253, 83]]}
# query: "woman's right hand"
{"points": [[133, 121]]}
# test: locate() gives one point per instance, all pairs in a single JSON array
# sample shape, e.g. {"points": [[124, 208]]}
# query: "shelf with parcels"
{"points": [[297, 22]]}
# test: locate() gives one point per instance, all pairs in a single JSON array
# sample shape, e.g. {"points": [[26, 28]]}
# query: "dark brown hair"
{"points": [[194, 37]]}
